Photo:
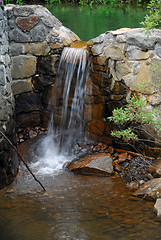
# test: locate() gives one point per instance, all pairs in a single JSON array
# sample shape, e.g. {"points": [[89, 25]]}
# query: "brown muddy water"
{"points": [[74, 207]]}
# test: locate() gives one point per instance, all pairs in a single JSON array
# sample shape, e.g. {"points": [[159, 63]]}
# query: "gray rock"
{"points": [[5, 44], [17, 36], [5, 59], [23, 11], [155, 168], [21, 86], [16, 49], [1, 14], [1, 27], [150, 189], [136, 67], [38, 49], [134, 53], [158, 49], [51, 21], [141, 39], [5, 108], [98, 39], [23, 66], [3, 79], [157, 208], [39, 33], [11, 23]]}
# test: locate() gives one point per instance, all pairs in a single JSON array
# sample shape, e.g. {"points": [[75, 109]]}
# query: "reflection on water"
{"points": [[89, 22], [74, 208]]}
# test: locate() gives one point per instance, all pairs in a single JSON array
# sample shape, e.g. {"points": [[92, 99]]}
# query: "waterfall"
{"points": [[67, 103]]}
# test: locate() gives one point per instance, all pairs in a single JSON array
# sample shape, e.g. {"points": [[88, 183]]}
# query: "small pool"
{"points": [[74, 207]]}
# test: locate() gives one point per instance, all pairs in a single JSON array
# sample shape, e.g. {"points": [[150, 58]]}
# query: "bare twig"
{"points": [[21, 158]]}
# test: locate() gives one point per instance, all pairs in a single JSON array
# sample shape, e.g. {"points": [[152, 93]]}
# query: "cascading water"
{"points": [[66, 126]]}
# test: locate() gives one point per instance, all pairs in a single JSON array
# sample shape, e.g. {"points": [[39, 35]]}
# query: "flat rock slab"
{"points": [[99, 164], [150, 189], [157, 208]]}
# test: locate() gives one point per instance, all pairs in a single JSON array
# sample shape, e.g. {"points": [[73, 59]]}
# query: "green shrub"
{"points": [[153, 17], [134, 114]]}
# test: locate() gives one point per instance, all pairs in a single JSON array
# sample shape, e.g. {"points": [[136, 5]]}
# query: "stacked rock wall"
{"points": [[131, 61], [36, 40], [8, 160]]}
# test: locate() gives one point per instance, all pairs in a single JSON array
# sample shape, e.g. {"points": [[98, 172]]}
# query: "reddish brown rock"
{"points": [[96, 127], [97, 164], [122, 157], [27, 23], [111, 150]]}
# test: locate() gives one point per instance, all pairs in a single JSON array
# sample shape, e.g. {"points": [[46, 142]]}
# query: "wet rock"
{"points": [[96, 127], [133, 185], [155, 168], [150, 189], [136, 169], [122, 157], [98, 164], [111, 150], [32, 134], [157, 208], [48, 65], [29, 119], [28, 102]]}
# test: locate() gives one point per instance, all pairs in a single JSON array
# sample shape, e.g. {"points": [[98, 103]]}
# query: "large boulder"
{"points": [[150, 189], [98, 164]]}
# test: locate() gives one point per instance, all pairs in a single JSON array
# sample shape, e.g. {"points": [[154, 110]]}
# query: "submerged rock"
{"points": [[157, 208], [150, 189], [98, 164]]}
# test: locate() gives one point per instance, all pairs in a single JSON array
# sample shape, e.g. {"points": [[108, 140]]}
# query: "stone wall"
{"points": [[126, 61], [36, 40], [8, 160]]}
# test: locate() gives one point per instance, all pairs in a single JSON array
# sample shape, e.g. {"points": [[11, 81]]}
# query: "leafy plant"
{"points": [[134, 114], [153, 18], [19, 2]]}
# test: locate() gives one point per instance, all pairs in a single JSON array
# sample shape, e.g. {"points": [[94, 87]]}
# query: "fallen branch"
{"points": [[21, 158]]}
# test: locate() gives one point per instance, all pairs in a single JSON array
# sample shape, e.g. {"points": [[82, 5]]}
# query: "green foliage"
{"points": [[19, 2], [153, 17], [133, 114], [126, 133]]}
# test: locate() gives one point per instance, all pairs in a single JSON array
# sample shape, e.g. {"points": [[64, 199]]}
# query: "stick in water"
{"points": [[21, 158]]}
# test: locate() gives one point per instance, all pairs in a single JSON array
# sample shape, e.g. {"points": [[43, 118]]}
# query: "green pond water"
{"points": [[89, 22]]}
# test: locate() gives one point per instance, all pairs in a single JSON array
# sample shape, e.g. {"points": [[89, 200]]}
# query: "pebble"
{"points": [[29, 133]]}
